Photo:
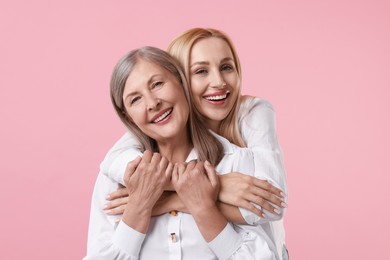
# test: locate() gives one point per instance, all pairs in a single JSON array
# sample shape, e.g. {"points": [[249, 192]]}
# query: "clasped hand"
{"points": [[236, 188]]}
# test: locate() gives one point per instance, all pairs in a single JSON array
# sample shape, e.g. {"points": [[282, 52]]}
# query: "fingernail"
{"points": [[284, 205], [282, 194], [107, 197], [117, 220], [277, 211], [105, 206], [207, 163], [263, 215], [108, 212]]}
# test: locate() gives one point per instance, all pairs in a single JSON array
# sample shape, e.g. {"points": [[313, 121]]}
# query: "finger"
{"points": [[249, 206], [122, 192], [268, 186], [131, 167], [164, 164], [198, 168], [191, 165], [211, 174], [116, 203], [181, 168], [116, 211], [168, 170], [175, 175], [270, 197], [263, 203], [147, 156], [156, 159]]}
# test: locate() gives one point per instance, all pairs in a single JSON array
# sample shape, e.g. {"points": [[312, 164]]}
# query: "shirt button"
{"points": [[173, 212], [173, 238]]}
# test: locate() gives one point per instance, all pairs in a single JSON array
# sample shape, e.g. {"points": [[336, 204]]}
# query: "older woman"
{"points": [[150, 95]]}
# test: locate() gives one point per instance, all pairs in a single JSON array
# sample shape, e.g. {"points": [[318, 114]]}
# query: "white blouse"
{"points": [[258, 128], [176, 236]]}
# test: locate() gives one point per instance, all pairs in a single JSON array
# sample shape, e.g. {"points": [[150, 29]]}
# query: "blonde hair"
{"points": [[180, 48], [205, 144]]}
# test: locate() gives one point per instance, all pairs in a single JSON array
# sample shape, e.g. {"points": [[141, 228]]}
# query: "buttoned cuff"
{"points": [[226, 243], [128, 239]]}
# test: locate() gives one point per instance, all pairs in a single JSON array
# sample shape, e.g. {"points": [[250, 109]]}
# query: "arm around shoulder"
{"points": [[126, 149]]}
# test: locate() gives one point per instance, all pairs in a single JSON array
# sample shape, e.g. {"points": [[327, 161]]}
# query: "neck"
{"points": [[176, 150], [213, 125]]}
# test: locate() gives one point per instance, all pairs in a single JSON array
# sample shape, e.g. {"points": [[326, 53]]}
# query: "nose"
{"points": [[152, 102], [217, 80]]}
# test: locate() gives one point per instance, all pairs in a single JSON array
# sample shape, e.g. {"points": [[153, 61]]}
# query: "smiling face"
{"points": [[215, 83], [155, 101]]}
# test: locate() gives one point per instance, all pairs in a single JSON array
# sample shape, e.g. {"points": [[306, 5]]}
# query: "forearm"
{"points": [[121, 153], [172, 202], [231, 213], [209, 229], [136, 217]]}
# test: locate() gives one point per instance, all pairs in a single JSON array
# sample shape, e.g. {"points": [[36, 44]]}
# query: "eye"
{"points": [[226, 67], [135, 100], [200, 71], [157, 84]]}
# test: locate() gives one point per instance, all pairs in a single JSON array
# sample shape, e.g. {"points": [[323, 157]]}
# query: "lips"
{"points": [[162, 115], [218, 96]]}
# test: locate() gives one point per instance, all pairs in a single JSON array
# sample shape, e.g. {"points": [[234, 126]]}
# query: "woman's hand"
{"points": [[241, 190], [197, 185], [197, 188], [237, 189], [117, 201], [145, 179]]}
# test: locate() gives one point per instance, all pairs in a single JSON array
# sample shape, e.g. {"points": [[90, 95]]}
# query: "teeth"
{"points": [[162, 116], [219, 97]]}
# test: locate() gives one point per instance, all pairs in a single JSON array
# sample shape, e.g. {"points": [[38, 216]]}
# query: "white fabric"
{"points": [[107, 240], [258, 128]]}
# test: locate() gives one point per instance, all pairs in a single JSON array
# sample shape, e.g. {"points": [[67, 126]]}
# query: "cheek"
{"points": [[196, 88], [135, 116], [235, 82]]}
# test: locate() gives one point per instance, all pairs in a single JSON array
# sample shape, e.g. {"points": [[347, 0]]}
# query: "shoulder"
{"points": [[255, 113], [249, 104], [128, 142]]}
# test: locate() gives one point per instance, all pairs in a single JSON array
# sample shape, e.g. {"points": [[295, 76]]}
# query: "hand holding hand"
{"points": [[197, 185], [145, 179]]}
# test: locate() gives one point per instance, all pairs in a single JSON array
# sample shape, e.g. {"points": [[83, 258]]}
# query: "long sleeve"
{"points": [[106, 239], [236, 243], [126, 149], [258, 127]]}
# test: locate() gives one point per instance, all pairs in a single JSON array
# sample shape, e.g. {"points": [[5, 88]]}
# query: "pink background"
{"points": [[324, 65]]}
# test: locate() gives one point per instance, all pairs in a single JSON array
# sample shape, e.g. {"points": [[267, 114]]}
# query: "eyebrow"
{"points": [[207, 63]]}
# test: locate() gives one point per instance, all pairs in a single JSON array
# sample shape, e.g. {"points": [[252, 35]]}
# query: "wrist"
{"points": [[137, 217], [176, 203], [203, 208]]}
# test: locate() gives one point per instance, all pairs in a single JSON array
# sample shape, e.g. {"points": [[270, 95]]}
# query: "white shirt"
{"points": [[258, 129], [176, 237]]}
